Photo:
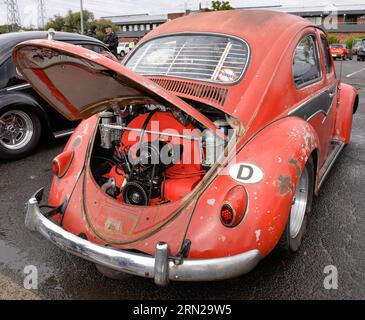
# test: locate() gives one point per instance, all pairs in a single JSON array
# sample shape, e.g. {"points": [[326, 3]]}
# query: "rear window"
{"points": [[218, 59]]}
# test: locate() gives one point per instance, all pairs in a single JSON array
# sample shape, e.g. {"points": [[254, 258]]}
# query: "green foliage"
{"points": [[221, 5], [8, 28], [333, 39], [71, 23], [350, 40], [100, 25]]}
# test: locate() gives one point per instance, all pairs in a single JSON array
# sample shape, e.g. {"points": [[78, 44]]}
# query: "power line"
{"points": [[13, 16], [42, 15]]}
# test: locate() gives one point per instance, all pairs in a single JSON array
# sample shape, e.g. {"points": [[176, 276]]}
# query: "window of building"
{"points": [[154, 26], [124, 28], [142, 27], [315, 20], [306, 64], [136, 27], [130, 28], [148, 27]]}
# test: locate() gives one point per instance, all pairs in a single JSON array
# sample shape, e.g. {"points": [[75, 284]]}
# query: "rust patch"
{"points": [[295, 163], [285, 185], [111, 225]]}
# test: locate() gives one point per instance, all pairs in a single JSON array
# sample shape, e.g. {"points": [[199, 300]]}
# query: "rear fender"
{"points": [[62, 188], [347, 106], [281, 152]]}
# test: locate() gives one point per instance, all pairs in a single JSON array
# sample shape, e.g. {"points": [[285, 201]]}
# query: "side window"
{"points": [[306, 65], [8, 75], [327, 54], [95, 48]]}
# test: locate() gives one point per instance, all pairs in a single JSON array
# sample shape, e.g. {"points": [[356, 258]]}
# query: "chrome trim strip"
{"points": [[21, 86], [331, 91], [160, 268], [331, 161], [61, 134]]}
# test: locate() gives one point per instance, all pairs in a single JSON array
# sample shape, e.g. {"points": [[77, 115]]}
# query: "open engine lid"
{"points": [[80, 83]]}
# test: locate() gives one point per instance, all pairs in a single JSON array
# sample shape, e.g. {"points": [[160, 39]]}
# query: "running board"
{"points": [[336, 148], [64, 133]]}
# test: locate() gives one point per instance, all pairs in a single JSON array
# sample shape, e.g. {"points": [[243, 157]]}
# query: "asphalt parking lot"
{"points": [[335, 236]]}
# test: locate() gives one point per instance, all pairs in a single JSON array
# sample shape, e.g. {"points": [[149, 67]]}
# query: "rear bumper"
{"points": [[161, 268]]}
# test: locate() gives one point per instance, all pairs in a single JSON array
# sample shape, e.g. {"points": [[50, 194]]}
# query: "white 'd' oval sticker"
{"points": [[246, 173]]}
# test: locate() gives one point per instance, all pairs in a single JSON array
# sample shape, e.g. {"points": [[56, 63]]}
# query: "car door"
{"points": [[316, 84]]}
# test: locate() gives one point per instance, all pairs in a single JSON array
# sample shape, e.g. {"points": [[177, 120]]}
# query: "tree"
{"points": [[71, 22], [100, 25], [221, 5], [333, 39]]}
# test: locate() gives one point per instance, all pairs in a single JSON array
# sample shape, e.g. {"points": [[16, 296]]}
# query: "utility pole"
{"points": [[13, 16], [42, 14], [82, 16]]}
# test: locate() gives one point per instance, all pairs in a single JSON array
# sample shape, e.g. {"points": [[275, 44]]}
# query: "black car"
{"points": [[24, 115], [361, 51]]}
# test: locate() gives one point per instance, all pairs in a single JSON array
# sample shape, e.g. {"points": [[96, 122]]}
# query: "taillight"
{"points": [[62, 163], [234, 207]]}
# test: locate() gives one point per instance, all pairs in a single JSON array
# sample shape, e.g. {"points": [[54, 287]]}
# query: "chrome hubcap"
{"points": [[16, 129], [299, 205]]}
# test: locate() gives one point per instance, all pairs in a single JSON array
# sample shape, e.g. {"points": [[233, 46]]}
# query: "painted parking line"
{"points": [[356, 72]]}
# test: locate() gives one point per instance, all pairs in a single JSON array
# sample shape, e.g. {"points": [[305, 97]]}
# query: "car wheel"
{"points": [[292, 237], [20, 132]]}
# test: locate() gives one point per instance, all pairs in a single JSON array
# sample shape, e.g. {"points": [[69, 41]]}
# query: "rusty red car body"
{"points": [[288, 131]]}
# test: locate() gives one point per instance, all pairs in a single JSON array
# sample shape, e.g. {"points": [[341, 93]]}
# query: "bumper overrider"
{"points": [[162, 268]]}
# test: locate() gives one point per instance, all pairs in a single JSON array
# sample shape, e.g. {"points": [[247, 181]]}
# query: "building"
{"points": [[344, 20], [134, 27]]}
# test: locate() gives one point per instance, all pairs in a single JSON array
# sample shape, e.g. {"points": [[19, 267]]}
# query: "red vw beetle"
{"points": [[200, 154]]}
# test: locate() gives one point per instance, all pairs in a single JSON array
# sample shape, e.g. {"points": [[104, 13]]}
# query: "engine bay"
{"points": [[148, 155]]}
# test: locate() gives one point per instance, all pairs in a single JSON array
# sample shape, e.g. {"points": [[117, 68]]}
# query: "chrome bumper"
{"points": [[161, 268]]}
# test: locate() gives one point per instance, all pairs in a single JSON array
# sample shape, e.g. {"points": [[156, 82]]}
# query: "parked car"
{"points": [[355, 46], [24, 114], [341, 51], [202, 153], [123, 49], [361, 51]]}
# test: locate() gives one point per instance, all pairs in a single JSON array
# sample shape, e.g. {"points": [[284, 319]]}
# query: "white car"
{"points": [[123, 49]]}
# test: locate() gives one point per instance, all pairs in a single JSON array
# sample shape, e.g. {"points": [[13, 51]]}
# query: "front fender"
{"points": [[347, 106], [281, 151]]}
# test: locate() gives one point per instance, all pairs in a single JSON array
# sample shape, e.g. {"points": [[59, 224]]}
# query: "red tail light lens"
{"points": [[62, 163], [234, 207], [227, 215]]}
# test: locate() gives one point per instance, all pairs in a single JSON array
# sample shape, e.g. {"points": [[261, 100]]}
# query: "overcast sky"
{"points": [[28, 8]]}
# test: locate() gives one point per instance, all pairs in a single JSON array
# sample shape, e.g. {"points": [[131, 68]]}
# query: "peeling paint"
{"points": [[258, 235], [211, 202]]}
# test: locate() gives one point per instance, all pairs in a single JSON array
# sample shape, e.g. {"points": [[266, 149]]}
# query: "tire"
{"points": [[20, 132], [295, 228]]}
